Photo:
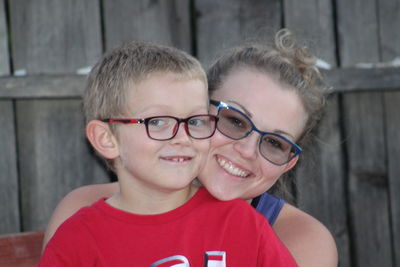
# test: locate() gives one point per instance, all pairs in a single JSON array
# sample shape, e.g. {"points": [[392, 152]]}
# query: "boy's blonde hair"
{"points": [[127, 65]]}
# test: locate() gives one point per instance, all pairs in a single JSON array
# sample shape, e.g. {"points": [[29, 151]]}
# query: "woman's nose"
{"points": [[248, 146]]}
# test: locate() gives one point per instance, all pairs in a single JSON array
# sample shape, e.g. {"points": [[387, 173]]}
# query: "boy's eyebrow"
{"points": [[156, 108]]}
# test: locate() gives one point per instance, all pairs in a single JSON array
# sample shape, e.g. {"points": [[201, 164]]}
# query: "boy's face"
{"points": [[147, 164]]}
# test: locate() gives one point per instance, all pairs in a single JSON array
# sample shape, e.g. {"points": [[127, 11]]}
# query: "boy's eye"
{"points": [[157, 122], [196, 122]]}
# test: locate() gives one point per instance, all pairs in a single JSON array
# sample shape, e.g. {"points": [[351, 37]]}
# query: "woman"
{"points": [[272, 92]]}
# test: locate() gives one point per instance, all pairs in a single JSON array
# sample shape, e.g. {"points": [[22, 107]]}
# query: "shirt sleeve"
{"points": [[71, 245]]}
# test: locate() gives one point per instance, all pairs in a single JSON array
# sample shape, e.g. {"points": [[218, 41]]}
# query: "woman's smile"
{"points": [[231, 168]]}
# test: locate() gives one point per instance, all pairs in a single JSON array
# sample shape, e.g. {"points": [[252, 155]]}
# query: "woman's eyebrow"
{"points": [[291, 137], [248, 113], [245, 110]]}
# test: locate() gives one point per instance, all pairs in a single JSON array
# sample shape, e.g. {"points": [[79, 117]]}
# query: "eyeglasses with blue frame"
{"points": [[236, 125]]}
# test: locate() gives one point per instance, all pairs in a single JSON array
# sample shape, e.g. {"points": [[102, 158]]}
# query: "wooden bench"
{"points": [[20, 250]]}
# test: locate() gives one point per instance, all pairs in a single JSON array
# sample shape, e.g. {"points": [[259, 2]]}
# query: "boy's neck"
{"points": [[148, 202]]}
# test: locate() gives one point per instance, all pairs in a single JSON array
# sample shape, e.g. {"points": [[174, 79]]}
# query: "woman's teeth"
{"points": [[231, 169]]}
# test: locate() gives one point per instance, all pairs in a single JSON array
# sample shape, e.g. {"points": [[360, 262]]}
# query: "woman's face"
{"points": [[235, 168]]}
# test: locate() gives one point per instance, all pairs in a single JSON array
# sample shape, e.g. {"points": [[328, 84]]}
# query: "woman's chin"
{"points": [[223, 193]]}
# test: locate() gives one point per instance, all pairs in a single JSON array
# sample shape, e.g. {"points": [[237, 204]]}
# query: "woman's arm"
{"points": [[309, 241], [73, 201]]}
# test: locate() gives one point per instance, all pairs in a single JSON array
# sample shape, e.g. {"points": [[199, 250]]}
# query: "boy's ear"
{"points": [[102, 139]]}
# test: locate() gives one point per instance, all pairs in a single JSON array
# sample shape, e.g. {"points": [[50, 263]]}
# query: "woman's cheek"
{"points": [[218, 140]]}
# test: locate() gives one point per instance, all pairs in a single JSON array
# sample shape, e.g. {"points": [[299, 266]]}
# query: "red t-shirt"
{"points": [[202, 232]]}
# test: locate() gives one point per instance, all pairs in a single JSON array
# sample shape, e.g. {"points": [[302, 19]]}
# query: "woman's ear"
{"points": [[291, 163], [102, 139]]}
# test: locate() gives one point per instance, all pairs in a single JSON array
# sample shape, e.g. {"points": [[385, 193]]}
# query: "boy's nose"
{"points": [[181, 132]]}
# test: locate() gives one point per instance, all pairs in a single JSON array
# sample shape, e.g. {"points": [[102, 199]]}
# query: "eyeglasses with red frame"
{"points": [[164, 128]]}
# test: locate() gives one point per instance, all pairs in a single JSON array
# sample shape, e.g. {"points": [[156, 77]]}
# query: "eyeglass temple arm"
{"points": [[125, 121]]}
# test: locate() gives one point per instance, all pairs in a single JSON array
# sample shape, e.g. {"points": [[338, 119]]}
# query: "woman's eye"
{"points": [[235, 122], [274, 143]]}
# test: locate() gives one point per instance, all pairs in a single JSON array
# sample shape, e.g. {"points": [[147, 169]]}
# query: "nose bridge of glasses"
{"points": [[177, 126]]}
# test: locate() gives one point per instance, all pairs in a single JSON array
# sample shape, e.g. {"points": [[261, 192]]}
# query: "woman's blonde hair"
{"points": [[288, 63]]}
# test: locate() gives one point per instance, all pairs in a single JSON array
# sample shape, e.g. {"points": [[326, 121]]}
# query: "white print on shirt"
{"points": [[215, 259], [211, 259]]}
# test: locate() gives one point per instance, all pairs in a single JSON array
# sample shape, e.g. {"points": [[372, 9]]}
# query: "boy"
{"points": [[147, 115]]}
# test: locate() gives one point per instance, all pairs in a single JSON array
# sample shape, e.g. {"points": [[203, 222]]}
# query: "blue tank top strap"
{"points": [[270, 206]]}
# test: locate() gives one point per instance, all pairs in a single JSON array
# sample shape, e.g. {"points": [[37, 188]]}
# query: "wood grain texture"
{"points": [[392, 101], [4, 55], [43, 86], [320, 178], [54, 158], [367, 79], [55, 36], [9, 192], [20, 250], [164, 22], [225, 23], [368, 179], [316, 27], [73, 85], [389, 24], [364, 132], [357, 32]]}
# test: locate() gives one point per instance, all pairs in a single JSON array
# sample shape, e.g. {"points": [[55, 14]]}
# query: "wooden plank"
{"points": [[20, 250], [4, 55], [368, 180], [389, 22], [225, 23], [73, 85], [9, 208], [355, 45], [368, 185], [43, 86], [165, 22], [56, 161], [392, 101], [356, 79], [320, 177], [364, 132], [320, 180], [53, 36], [313, 20]]}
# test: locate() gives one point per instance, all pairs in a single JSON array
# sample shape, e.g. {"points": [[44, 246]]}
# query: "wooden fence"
{"points": [[352, 184]]}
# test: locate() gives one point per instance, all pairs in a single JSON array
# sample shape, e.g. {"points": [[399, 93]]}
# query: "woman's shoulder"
{"points": [[309, 241], [75, 200]]}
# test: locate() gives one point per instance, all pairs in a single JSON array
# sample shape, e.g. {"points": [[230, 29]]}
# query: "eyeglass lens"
{"points": [[272, 147], [165, 127]]}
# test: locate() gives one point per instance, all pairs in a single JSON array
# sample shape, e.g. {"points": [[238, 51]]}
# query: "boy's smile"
{"points": [[177, 159], [146, 166]]}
